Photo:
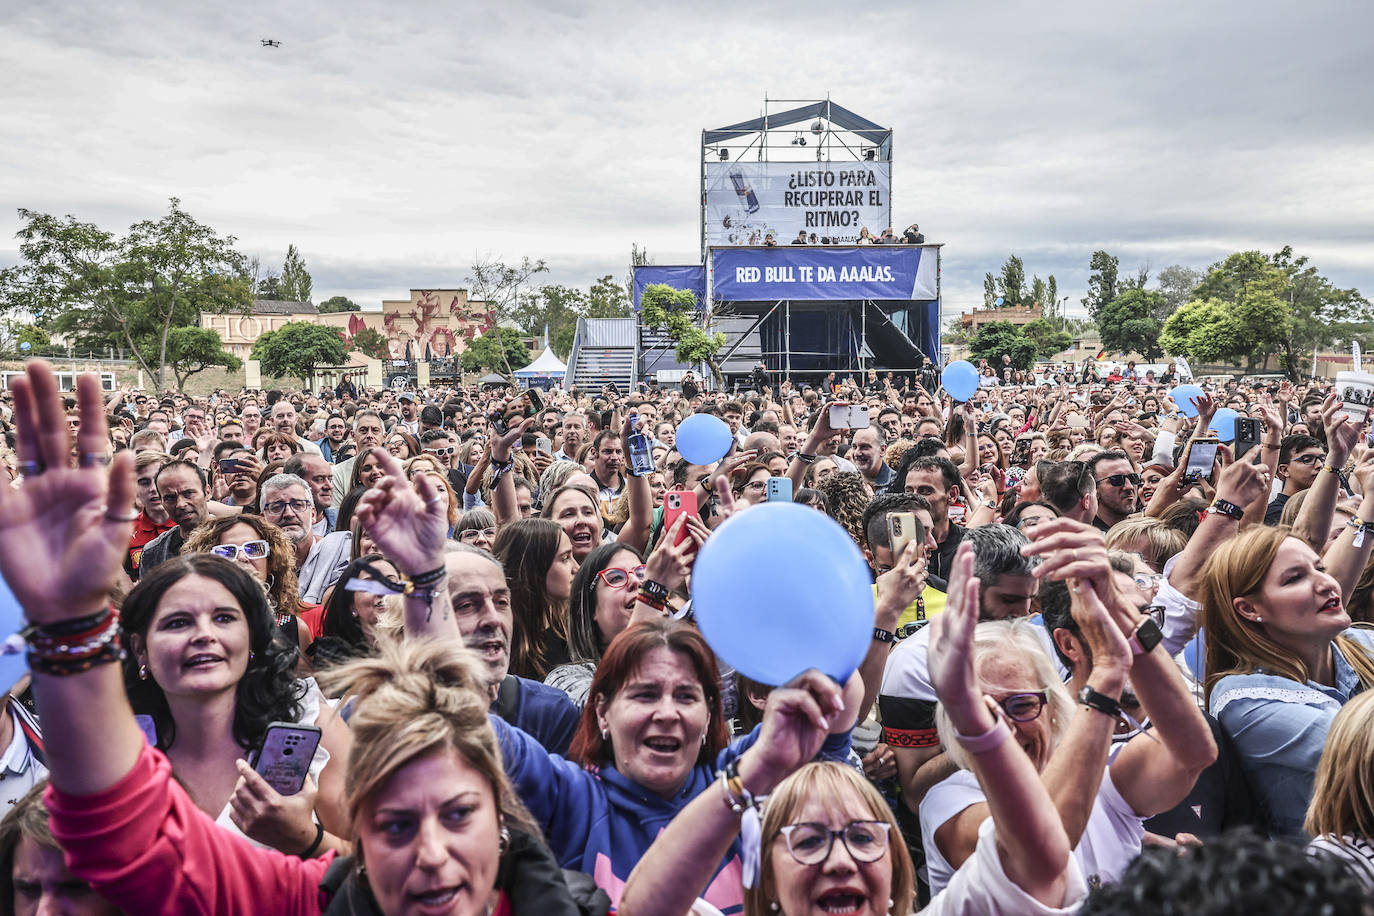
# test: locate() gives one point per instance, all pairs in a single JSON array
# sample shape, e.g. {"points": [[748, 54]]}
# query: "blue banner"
{"points": [[883, 272], [690, 278]]}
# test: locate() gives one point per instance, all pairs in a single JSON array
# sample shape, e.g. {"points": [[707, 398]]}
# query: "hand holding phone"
{"points": [[287, 751], [1202, 455], [677, 503]]}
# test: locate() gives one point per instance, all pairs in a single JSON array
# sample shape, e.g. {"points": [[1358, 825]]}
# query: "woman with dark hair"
{"points": [[606, 599], [476, 527], [402, 444], [1026, 515], [652, 737], [279, 447], [206, 678], [537, 557], [367, 470], [347, 625], [808, 496]]}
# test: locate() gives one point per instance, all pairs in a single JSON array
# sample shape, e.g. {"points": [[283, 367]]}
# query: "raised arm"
{"points": [[503, 504], [410, 528], [1240, 483], [635, 532], [897, 588], [1346, 559], [1031, 843], [1314, 518], [806, 455]]}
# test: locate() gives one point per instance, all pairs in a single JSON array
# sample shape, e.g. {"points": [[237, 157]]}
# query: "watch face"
{"points": [[1148, 634]]}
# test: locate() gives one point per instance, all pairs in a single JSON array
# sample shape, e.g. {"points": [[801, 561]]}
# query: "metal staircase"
{"points": [[603, 351]]}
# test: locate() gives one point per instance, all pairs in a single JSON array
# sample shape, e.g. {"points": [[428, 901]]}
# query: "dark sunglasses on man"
{"points": [[1119, 480]]}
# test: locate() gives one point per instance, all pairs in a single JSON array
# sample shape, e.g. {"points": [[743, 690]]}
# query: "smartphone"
{"points": [[1247, 434], [779, 489], [230, 465], [287, 750], [848, 416], [1201, 457], [676, 503], [641, 452], [902, 529], [528, 404], [544, 444]]}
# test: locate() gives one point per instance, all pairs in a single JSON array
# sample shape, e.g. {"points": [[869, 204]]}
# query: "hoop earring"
{"points": [[505, 840], [143, 672]]}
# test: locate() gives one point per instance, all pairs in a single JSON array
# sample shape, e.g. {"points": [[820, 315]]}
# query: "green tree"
{"points": [[104, 291], [1012, 281], [608, 299], [1102, 282], [1176, 285], [295, 279], [1128, 323], [297, 347], [1048, 339], [192, 350], [989, 291], [677, 312], [501, 349], [339, 304], [1217, 331], [371, 342], [1002, 338], [1322, 313], [269, 287], [1054, 309]]}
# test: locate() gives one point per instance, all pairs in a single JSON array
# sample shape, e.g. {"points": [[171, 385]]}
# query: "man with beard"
{"points": [[284, 421], [181, 488], [288, 503], [481, 604], [1117, 486], [335, 434]]}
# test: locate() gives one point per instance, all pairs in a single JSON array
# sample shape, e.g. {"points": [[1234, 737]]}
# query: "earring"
{"points": [[505, 840], [1259, 620], [605, 734], [143, 672], [773, 906], [251, 655], [703, 739]]}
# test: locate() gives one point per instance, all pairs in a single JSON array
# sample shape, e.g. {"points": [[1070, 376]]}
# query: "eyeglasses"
{"points": [[248, 550], [1308, 459], [445, 451], [1148, 581], [471, 534], [281, 505], [1024, 707], [810, 843], [616, 577], [1119, 480], [1155, 612]]}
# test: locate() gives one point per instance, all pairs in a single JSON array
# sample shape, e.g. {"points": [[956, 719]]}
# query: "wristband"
{"points": [[805, 458], [315, 846], [1099, 701], [987, 741], [882, 635], [656, 590], [1362, 528], [1227, 508], [1329, 469]]}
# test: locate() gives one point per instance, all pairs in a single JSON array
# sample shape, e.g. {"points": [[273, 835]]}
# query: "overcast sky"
{"points": [[394, 141]]}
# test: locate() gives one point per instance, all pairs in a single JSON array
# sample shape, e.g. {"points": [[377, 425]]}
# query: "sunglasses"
{"points": [[445, 451], [810, 843], [1119, 480], [249, 550], [1024, 707], [616, 577]]}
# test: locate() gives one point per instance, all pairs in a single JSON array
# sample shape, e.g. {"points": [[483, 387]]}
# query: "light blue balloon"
{"points": [[960, 379], [703, 439], [25, 345], [1183, 395], [769, 622], [13, 660], [1224, 422]]}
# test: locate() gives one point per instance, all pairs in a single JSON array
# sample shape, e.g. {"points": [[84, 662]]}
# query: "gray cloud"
{"points": [[392, 141]]}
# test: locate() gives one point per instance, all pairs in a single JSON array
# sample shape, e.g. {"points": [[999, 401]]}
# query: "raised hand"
{"points": [[670, 563], [409, 524], [1243, 482], [65, 531], [951, 648], [283, 822], [796, 720]]}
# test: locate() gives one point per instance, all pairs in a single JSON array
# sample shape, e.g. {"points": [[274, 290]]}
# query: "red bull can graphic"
{"points": [[745, 192]]}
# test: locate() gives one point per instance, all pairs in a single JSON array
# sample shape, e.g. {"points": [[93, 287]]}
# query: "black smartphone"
{"points": [[1247, 434]]}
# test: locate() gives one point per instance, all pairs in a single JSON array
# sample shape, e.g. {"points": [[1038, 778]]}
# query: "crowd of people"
{"points": [[912, 235], [1118, 664]]}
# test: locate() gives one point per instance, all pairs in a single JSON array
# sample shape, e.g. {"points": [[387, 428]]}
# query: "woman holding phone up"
{"points": [[428, 806]]}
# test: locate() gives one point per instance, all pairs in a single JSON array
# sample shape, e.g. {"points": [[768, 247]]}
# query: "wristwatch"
{"points": [[1147, 635]]}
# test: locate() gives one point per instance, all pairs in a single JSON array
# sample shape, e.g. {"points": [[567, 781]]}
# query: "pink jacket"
{"points": [[146, 847]]}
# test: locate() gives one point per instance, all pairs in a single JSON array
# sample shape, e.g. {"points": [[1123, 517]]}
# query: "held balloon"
{"points": [[1224, 422], [703, 439], [772, 625], [1183, 396], [960, 380]]}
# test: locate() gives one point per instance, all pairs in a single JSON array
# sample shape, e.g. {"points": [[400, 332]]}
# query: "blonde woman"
{"points": [[1341, 816]]}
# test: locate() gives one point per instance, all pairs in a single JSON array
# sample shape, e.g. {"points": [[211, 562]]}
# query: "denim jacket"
{"points": [[1279, 727]]}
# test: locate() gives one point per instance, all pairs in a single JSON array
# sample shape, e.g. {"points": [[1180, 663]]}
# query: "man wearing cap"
{"points": [[410, 420]]}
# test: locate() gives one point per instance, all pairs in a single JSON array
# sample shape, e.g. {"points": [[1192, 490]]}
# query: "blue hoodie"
{"points": [[600, 822]]}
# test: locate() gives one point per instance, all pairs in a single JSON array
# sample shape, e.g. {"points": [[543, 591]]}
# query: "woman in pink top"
{"points": [[431, 812]]}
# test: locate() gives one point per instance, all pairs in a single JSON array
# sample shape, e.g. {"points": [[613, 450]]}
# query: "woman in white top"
{"points": [[209, 672]]}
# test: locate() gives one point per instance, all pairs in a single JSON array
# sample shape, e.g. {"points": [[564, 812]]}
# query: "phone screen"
{"points": [[1201, 457]]}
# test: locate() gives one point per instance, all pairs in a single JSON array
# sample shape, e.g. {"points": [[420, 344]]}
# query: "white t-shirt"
{"points": [[1109, 844], [981, 887]]}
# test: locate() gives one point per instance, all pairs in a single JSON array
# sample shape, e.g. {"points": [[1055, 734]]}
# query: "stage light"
{"points": [[724, 155], [870, 154], [798, 140], [817, 127]]}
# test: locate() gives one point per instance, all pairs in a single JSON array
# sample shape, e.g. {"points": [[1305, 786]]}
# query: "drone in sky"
{"points": [[270, 43]]}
